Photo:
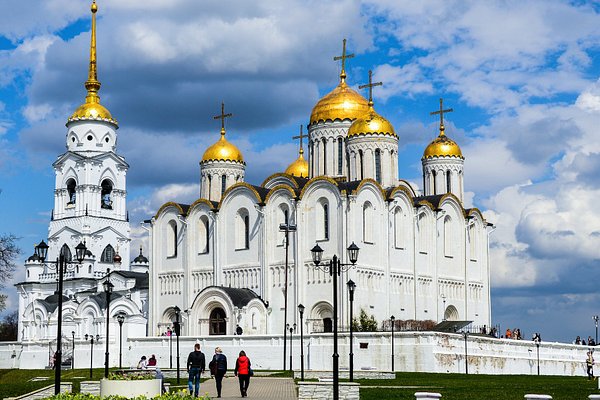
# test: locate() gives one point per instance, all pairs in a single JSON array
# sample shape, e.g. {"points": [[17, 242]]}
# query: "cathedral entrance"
{"points": [[217, 322]]}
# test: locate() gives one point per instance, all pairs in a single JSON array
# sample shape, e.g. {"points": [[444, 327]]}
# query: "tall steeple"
{"points": [[92, 109]]}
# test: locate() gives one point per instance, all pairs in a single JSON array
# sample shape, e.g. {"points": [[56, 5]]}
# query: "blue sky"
{"points": [[522, 77]]}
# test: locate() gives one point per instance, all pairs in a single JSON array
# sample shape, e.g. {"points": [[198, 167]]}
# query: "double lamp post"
{"points": [[335, 267]]}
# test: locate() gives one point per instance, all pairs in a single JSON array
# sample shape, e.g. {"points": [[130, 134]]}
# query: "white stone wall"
{"points": [[414, 352]]}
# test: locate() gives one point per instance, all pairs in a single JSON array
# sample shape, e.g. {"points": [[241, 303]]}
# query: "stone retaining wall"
{"points": [[314, 374], [91, 387], [44, 392], [324, 391]]}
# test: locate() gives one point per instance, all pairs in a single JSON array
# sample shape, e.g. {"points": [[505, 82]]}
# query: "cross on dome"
{"points": [[222, 117], [343, 57], [301, 136], [441, 112], [370, 85]]}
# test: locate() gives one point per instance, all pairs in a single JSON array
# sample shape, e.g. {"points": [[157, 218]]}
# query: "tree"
{"points": [[8, 253], [8, 327], [364, 323]]}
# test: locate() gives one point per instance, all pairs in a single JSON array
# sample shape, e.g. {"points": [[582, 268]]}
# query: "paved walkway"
{"points": [[260, 388]]}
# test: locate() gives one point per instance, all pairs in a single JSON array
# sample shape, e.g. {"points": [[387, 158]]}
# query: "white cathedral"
{"points": [[222, 259]]}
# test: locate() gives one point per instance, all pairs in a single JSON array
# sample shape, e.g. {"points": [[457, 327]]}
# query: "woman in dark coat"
{"points": [[219, 366]]}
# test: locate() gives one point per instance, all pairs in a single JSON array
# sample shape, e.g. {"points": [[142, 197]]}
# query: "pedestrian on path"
{"points": [[219, 365], [195, 366], [589, 362], [243, 371]]}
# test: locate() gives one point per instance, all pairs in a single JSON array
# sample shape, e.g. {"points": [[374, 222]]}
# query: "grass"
{"points": [[15, 382], [479, 387]]}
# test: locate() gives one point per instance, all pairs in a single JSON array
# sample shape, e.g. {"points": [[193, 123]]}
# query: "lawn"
{"points": [[479, 387]]}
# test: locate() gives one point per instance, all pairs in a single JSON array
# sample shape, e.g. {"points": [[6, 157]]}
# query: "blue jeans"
{"points": [[194, 381]]}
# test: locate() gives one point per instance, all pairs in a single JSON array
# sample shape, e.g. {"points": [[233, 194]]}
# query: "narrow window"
{"points": [[422, 233], [472, 242], [71, 185], [324, 156], [108, 255], [172, 239], [106, 200], [448, 180], [203, 235], [367, 223], [340, 156], [325, 221], [378, 165], [209, 185], [223, 184], [246, 232], [312, 157], [448, 236], [242, 230], [360, 155], [398, 237], [434, 176]]}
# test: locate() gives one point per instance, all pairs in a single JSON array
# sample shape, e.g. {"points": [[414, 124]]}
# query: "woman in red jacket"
{"points": [[243, 371]]}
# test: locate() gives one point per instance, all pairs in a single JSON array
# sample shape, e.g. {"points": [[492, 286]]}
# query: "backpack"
{"points": [[212, 366]]}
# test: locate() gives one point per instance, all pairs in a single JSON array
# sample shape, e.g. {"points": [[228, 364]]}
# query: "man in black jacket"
{"points": [[195, 366]]}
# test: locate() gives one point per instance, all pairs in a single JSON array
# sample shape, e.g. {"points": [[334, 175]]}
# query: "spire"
{"points": [[343, 57], [92, 85]]}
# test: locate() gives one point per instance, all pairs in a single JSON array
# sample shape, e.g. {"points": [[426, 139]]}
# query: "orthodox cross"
{"points": [[441, 112], [370, 85], [343, 57], [223, 116], [300, 137]]}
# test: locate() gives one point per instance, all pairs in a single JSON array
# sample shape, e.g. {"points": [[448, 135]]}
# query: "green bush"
{"points": [[364, 323], [180, 395]]}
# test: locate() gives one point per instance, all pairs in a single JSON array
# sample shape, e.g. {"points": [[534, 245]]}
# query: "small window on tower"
{"points": [[107, 140], [90, 138], [106, 200], [71, 185]]}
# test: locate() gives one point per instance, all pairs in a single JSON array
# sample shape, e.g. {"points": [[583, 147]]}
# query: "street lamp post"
{"points": [[301, 311], [444, 309], [73, 355], [287, 228], [177, 325], [170, 332], [91, 337], [392, 320], [41, 250], [351, 287], [120, 320], [466, 336], [108, 288], [335, 267], [596, 318], [537, 346], [291, 328]]}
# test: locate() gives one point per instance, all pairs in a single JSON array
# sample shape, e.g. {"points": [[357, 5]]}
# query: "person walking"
{"points": [[243, 371], [195, 366], [589, 362], [219, 366]]}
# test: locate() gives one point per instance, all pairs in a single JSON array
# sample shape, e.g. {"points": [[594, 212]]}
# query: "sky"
{"points": [[522, 77]]}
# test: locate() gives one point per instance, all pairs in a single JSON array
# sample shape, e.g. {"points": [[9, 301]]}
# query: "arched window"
{"points": [[71, 185], [322, 221], [433, 177], [105, 196], [340, 156], [217, 323], [472, 242], [361, 160], [422, 233], [223, 184], [172, 239], [448, 237], [311, 146], [65, 251], [448, 182], [324, 156], [209, 185], [378, 165], [367, 222], [398, 229], [283, 218], [203, 235], [242, 230], [108, 254]]}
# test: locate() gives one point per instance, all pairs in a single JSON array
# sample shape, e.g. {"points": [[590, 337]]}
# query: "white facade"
{"points": [[222, 259]]}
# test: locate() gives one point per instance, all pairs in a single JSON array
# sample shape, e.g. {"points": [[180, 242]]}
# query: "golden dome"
{"points": [[341, 103], [442, 146], [223, 151], [371, 123], [299, 167], [92, 109]]}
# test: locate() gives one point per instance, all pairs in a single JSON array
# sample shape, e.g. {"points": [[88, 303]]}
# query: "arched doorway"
{"points": [[451, 313], [327, 325], [217, 323]]}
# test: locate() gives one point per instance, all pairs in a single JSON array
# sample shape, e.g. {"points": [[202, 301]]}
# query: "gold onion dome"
{"points": [[341, 103], [92, 109], [223, 150], [299, 167], [442, 146], [371, 123]]}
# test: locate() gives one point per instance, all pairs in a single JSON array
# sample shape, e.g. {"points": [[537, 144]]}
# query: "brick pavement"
{"points": [[260, 388]]}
